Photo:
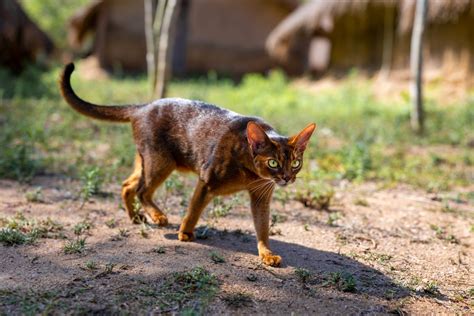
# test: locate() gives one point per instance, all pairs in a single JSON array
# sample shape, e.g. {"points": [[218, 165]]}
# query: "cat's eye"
{"points": [[295, 164], [272, 163]]}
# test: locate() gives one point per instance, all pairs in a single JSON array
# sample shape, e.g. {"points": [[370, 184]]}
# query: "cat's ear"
{"points": [[256, 137], [301, 140]]}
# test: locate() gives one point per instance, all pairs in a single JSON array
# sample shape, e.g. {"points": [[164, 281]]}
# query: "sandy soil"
{"points": [[406, 251]]}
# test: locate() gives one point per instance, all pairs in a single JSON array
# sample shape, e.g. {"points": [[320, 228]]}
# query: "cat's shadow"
{"points": [[322, 264]]}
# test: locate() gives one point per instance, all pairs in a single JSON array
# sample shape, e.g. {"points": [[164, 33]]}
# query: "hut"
{"points": [[372, 35], [222, 35], [21, 40]]}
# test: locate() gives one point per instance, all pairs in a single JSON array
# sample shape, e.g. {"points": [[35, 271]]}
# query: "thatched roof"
{"points": [[21, 40], [317, 17]]}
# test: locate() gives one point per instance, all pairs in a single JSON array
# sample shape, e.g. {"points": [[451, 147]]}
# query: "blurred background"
{"points": [[347, 65]]}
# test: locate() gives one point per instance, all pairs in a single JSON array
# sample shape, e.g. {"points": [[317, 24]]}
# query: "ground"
{"points": [[377, 250]]}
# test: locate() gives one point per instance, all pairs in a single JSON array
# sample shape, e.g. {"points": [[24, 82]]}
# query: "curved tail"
{"points": [[101, 112]]}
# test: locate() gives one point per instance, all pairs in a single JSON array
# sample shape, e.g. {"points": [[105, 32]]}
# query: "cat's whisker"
{"points": [[258, 186], [265, 192]]}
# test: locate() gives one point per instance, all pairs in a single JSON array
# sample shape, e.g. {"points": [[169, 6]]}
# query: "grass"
{"points": [[19, 230], [359, 138], [76, 246], [343, 281], [188, 290]]}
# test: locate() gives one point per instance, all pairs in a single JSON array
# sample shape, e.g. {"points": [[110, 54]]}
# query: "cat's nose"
{"points": [[287, 178]]}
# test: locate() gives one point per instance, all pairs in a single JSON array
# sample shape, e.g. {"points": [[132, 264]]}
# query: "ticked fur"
{"points": [[229, 153]]}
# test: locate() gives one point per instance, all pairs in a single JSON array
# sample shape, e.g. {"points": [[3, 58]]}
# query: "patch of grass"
{"points": [[75, 246], [35, 196], [303, 275], [317, 195], [193, 289], [217, 257], [222, 207], [361, 202], [11, 237], [90, 265], [111, 223], [20, 230], [431, 288], [333, 218], [92, 180], [82, 227], [343, 281]]}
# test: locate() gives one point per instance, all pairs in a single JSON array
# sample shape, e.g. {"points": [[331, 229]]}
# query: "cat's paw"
{"points": [[182, 236], [271, 260], [159, 219]]}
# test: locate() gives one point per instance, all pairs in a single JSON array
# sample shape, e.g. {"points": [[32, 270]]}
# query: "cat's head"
{"points": [[275, 157]]}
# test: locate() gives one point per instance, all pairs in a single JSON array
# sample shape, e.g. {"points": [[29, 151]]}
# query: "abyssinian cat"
{"points": [[229, 152]]}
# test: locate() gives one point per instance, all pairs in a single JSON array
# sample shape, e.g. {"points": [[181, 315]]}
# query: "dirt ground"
{"points": [[405, 250]]}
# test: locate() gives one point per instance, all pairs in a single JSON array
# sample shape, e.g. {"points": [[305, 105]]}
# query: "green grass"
{"points": [[19, 230], [358, 138], [75, 246]]}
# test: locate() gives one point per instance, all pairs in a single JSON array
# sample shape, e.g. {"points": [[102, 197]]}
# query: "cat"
{"points": [[229, 153]]}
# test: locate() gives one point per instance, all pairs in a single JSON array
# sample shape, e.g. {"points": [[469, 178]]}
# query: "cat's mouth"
{"points": [[282, 183]]}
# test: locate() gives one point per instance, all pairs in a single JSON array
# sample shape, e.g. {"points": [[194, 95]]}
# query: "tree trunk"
{"points": [[166, 40], [416, 65], [150, 43]]}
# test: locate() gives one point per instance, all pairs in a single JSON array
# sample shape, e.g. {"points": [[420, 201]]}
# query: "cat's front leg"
{"points": [[260, 204], [201, 197]]}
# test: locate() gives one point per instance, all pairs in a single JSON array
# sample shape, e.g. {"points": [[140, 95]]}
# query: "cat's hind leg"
{"points": [[129, 192], [201, 197], [156, 167]]}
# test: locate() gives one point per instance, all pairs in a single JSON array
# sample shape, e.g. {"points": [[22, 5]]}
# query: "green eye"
{"points": [[272, 163], [295, 163]]}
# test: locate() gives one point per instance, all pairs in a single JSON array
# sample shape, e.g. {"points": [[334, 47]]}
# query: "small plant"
{"points": [[123, 233], [315, 195], [217, 257], [109, 268], [82, 227], [343, 281], [143, 231], [238, 300], [431, 288], [221, 208], [111, 223], [333, 218], [303, 275], [35, 196], [91, 265], [92, 180], [11, 237], [75, 246], [193, 289]]}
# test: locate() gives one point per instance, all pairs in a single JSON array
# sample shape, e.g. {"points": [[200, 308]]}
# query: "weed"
{"points": [[343, 281], [21, 230], [221, 208], [111, 223], [109, 268], [91, 265], [82, 227], [35, 196], [74, 246], [315, 195], [216, 257], [431, 288], [143, 231], [10, 237], [123, 232], [92, 180], [303, 275], [333, 218], [189, 289]]}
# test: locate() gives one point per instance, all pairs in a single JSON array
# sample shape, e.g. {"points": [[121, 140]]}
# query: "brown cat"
{"points": [[229, 152]]}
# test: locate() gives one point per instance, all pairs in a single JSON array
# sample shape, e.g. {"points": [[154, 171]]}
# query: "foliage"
{"points": [[52, 16]]}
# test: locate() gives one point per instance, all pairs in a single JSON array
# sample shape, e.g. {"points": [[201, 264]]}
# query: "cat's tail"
{"points": [[108, 113]]}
